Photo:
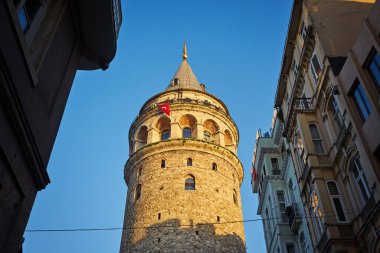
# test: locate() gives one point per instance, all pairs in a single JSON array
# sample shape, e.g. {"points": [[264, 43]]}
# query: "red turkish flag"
{"points": [[254, 172], [165, 108]]}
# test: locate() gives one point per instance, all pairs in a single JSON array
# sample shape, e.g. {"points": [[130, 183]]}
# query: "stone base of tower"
{"points": [[171, 236], [168, 218]]}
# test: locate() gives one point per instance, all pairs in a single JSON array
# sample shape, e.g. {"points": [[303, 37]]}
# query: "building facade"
{"points": [[327, 98], [43, 43], [275, 181], [183, 174]]}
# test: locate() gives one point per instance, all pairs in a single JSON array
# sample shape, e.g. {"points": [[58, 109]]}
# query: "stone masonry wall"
{"points": [[168, 218]]}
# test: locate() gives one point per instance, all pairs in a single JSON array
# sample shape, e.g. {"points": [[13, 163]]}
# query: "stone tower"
{"points": [[183, 174]]}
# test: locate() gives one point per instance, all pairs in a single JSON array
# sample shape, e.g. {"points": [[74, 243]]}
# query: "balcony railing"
{"points": [[294, 216], [297, 89], [323, 241], [276, 172], [368, 208], [303, 104]]}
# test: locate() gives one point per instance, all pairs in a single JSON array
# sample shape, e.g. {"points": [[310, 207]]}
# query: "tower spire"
{"points": [[184, 56]]}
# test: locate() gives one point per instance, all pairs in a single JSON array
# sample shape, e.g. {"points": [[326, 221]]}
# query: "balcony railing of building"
{"points": [[294, 215], [368, 208], [323, 241], [345, 232], [298, 85], [342, 135], [303, 104]]}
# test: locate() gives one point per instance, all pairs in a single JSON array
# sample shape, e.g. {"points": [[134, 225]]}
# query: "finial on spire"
{"points": [[184, 56]]}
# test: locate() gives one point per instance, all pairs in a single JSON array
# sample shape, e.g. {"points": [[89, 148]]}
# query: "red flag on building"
{"points": [[254, 173], [165, 108]]}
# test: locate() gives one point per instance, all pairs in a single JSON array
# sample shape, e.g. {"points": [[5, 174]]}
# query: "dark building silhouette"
{"points": [[43, 43]]}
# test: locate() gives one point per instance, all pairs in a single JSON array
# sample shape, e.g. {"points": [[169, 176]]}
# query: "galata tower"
{"points": [[183, 174]]}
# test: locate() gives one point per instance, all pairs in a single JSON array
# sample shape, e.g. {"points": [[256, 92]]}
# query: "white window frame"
{"points": [[295, 68], [303, 30], [316, 213], [361, 177], [313, 71], [317, 141], [332, 197], [282, 213]]}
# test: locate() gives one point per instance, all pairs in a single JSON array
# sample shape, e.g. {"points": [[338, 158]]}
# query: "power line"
{"points": [[169, 226]]}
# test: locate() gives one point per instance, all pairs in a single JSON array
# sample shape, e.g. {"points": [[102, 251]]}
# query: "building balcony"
{"points": [[368, 208], [342, 135], [294, 216], [298, 85], [303, 105], [98, 18]]}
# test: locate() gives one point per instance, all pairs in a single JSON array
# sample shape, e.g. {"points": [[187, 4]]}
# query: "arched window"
{"points": [[207, 136], [138, 192], [214, 167], [186, 132], [142, 135], [140, 171], [234, 197], [190, 183], [163, 165], [316, 211], [360, 179], [189, 162], [211, 130], [165, 134], [163, 125], [336, 201], [316, 139]]}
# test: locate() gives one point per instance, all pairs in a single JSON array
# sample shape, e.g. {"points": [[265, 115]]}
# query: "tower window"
{"points": [[140, 171], [186, 132], [189, 162], [214, 167], [176, 81], [207, 136], [234, 197], [159, 216], [138, 192], [218, 218], [162, 163], [190, 183], [165, 135]]}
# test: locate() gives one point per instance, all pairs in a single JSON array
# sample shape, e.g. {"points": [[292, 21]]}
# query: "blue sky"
{"points": [[234, 47]]}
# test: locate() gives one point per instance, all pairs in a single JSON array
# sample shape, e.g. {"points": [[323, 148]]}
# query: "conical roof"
{"points": [[184, 78]]}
